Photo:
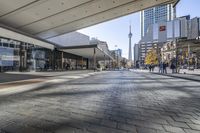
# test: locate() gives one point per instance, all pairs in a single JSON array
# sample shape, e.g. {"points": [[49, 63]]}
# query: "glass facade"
{"points": [[74, 62], [161, 13], [9, 55], [177, 26], [20, 56], [154, 15]]}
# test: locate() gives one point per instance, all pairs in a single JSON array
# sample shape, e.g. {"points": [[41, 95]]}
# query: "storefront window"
{"points": [[20, 56], [9, 56]]}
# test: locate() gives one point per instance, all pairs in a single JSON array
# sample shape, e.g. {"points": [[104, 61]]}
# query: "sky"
{"points": [[115, 32]]}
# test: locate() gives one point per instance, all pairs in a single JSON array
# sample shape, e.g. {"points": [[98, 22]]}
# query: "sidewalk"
{"points": [[191, 77], [19, 76], [188, 75], [193, 72], [52, 73], [40, 81]]}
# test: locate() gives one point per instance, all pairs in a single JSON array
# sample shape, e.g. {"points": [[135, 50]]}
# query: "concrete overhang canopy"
{"points": [[49, 18], [9, 33], [87, 51]]}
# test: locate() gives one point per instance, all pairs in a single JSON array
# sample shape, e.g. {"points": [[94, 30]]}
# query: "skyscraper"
{"points": [[136, 53], [155, 15], [130, 46]]}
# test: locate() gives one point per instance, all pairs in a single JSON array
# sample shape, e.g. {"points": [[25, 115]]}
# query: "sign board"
{"points": [[162, 28], [9, 58], [6, 56]]}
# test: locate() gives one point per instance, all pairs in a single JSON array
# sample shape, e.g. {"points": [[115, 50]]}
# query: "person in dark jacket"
{"points": [[150, 67], [164, 67], [173, 67]]}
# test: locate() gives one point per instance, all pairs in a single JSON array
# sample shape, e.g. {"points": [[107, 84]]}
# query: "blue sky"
{"points": [[115, 32]]}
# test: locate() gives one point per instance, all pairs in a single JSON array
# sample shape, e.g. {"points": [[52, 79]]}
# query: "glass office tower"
{"points": [[154, 15]]}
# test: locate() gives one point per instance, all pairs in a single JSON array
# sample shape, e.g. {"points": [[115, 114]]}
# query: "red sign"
{"points": [[162, 28]]}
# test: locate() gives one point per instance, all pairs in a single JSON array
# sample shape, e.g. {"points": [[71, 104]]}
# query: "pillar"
{"points": [[109, 64], [94, 59], [20, 58], [54, 59], [87, 64], [82, 63], [62, 60], [76, 63], [105, 62]]}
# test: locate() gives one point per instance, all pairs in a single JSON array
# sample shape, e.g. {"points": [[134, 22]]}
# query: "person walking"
{"points": [[173, 67], [150, 68], [164, 68], [161, 67], [153, 66]]}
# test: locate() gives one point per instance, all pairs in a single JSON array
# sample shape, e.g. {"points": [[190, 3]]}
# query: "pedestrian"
{"points": [[150, 67], [164, 68], [161, 67], [153, 66], [173, 67]]}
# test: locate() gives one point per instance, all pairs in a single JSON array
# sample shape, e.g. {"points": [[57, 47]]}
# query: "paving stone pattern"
{"points": [[112, 102]]}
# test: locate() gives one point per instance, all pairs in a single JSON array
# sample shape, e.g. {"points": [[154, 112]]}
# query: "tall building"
{"points": [[166, 32], [154, 15], [130, 46], [136, 53], [117, 55]]}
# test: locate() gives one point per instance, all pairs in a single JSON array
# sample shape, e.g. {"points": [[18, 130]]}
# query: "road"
{"points": [[111, 102]]}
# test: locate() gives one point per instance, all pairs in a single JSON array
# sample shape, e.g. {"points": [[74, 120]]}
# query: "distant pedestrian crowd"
{"points": [[163, 67]]}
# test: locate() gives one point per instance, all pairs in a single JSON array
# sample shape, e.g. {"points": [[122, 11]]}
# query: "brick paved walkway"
{"points": [[112, 102]]}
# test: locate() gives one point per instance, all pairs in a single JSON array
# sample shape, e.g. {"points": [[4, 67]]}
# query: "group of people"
{"points": [[163, 67], [151, 67]]}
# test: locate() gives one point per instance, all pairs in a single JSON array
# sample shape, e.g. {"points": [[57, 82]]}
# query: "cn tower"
{"points": [[130, 46]]}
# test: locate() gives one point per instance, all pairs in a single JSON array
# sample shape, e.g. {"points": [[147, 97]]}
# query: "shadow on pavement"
{"points": [[5, 77], [117, 105]]}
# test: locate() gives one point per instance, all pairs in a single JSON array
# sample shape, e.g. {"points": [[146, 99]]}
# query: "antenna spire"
{"points": [[130, 46]]}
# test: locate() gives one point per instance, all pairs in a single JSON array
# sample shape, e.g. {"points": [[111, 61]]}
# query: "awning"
{"points": [[49, 18], [15, 35], [87, 51]]}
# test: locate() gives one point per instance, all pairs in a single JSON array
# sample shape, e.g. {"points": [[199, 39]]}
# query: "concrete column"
{"points": [[104, 61], [54, 59], [25, 59], [109, 64], [82, 63], [76, 63], [87, 64], [62, 60], [94, 59], [20, 58]]}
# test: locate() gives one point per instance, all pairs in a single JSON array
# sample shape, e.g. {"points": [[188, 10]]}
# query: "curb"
{"points": [[197, 80]]}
